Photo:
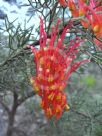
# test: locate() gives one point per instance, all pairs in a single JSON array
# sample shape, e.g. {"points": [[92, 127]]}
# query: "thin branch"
{"points": [[81, 113], [21, 100]]}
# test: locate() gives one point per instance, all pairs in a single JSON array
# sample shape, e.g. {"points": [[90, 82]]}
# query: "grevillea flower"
{"points": [[54, 65], [92, 14], [95, 17], [95, 20]]}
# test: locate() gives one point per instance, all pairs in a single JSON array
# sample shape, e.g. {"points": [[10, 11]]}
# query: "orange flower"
{"points": [[97, 25], [94, 16], [91, 13], [48, 112], [72, 8]]}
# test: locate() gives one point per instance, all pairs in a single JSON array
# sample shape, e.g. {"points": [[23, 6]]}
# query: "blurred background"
{"points": [[20, 112]]}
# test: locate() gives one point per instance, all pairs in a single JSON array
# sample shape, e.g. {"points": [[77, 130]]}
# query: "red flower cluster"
{"points": [[53, 67], [91, 12]]}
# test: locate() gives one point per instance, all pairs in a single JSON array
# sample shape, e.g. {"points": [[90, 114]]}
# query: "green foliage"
{"points": [[89, 80], [98, 131]]}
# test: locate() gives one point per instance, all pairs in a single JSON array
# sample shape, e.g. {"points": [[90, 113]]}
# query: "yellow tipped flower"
{"points": [[58, 109], [96, 28], [49, 113], [50, 78], [42, 61], [61, 87], [36, 89], [67, 107], [81, 12], [59, 96], [53, 87], [32, 81], [51, 96]]}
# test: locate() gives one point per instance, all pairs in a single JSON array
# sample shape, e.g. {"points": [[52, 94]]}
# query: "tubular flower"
{"points": [[54, 65], [95, 17], [97, 26], [91, 12], [73, 8], [96, 22], [77, 9]]}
